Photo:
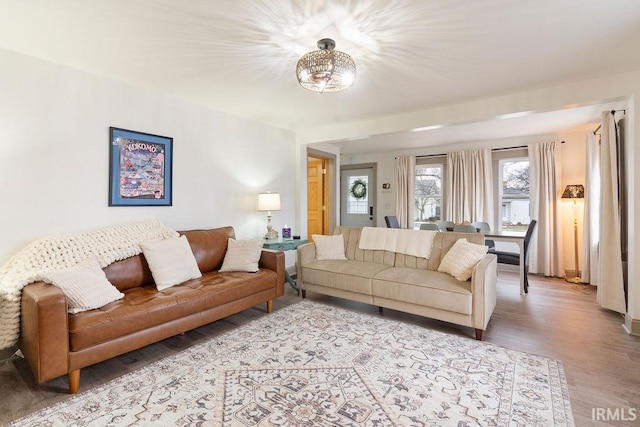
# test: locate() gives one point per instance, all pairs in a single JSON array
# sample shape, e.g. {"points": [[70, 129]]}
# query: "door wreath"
{"points": [[358, 189]]}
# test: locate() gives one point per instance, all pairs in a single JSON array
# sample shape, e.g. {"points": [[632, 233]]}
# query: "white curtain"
{"points": [[591, 224], [545, 250], [469, 186], [406, 171], [610, 292]]}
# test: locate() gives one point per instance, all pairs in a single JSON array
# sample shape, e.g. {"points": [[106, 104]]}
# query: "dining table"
{"points": [[516, 237]]}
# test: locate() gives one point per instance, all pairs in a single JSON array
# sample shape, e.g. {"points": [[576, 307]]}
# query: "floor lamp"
{"points": [[574, 192]]}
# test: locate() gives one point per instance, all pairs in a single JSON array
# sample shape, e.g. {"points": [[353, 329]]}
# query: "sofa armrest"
{"points": [[44, 338], [274, 260], [305, 254], [483, 288]]}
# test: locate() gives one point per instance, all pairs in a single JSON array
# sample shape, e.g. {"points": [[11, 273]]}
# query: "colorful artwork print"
{"points": [[140, 169]]}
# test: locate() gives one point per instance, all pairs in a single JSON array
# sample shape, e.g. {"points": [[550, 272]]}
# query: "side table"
{"points": [[285, 245]]}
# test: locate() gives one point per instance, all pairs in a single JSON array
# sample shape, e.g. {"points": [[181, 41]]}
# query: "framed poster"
{"points": [[140, 167]]}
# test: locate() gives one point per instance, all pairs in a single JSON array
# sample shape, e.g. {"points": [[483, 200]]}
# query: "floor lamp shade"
{"points": [[268, 202], [574, 192]]}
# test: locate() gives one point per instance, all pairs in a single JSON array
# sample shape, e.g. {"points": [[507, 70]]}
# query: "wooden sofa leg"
{"points": [[269, 306], [74, 381], [479, 334], [304, 293], [380, 310]]}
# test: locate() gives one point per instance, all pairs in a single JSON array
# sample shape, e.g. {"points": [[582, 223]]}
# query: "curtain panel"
{"points": [[591, 223], [545, 247], [405, 177], [469, 186], [610, 292]]}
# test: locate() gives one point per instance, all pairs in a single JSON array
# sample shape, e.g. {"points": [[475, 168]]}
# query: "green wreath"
{"points": [[358, 189]]}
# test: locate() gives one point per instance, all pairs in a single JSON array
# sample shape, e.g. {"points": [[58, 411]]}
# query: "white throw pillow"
{"points": [[461, 259], [329, 247], [85, 286], [242, 255], [171, 261]]}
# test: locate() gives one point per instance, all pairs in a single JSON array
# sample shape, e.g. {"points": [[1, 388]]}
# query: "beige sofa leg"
{"points": [[269, 306], [74, 381], [304, 293], [479, 334]]}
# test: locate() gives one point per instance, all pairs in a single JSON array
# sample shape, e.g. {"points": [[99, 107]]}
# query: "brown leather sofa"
{"points": [[56, 343]]}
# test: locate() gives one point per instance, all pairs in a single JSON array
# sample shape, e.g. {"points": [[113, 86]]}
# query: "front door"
{"points": [[357, 197]]}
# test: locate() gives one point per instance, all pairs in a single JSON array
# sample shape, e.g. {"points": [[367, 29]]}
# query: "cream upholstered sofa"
{"points": [[404, 282]]}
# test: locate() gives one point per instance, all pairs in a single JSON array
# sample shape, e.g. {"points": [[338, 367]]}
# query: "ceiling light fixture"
{"points": [[326, 69]]}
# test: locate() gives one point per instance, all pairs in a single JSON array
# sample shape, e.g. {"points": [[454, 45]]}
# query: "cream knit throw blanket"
{"points": [[57, 252]]}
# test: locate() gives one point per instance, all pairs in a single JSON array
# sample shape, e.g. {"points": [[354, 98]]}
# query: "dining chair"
{"points": [[484, 228], [429, 226], [513, 258], [392, 221], [464, 228], [443, 225]]}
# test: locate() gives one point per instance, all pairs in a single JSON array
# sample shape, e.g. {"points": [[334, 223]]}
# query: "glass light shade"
{"points": [[326, 69], [269, 202], [573, 191]]}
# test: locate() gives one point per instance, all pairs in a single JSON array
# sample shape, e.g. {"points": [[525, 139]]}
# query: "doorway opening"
{"points": [[319, 174]]}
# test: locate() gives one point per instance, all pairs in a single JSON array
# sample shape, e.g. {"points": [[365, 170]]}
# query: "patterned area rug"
{"points": [[312, 364]]}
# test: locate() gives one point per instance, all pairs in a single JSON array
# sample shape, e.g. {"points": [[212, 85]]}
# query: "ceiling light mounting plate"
{"points": [[326, 44]]}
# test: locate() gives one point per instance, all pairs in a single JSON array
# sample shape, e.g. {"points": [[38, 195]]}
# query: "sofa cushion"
{"points": [[444, 241], [351, 237], [348, 275], [129, 273], [145, 307], [209, 246], [329, 247], [423, 287], [242, 255], [461, 259], [171, 261], [85, 286]]}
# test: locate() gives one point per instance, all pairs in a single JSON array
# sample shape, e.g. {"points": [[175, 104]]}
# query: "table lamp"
{"points": [[574, 192], [269, 202]]}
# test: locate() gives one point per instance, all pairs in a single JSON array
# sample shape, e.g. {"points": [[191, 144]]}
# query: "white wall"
{"points": [[573, 172], [54, 154]]}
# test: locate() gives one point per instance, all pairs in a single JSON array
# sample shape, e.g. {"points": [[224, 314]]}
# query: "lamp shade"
{"points": [[573, 191], [269, 202]]}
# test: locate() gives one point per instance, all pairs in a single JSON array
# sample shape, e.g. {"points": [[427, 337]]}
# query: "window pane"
{"points": [[428, 194], [514, 194], [358, 205]]}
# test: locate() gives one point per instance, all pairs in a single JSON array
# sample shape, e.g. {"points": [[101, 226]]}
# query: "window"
{"points": [[357, 184], [428, 194], [514, 194]]}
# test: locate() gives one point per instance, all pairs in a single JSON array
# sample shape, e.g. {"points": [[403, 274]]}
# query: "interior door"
{"points": [[317, 218], [357, 197]]}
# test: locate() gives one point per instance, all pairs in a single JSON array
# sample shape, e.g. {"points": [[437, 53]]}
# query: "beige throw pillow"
{"points": [[461, 259], [85, 286], [171, 261], [329, 247], [242, 255]]}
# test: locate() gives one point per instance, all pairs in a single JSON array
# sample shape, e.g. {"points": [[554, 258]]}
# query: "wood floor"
{"points": [[556, 319]]}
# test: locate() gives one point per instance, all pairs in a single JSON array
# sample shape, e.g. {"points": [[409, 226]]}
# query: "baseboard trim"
{"points": [[632, 326]]}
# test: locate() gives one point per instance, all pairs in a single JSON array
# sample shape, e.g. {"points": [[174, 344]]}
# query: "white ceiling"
{"points": [[239, 56]]}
